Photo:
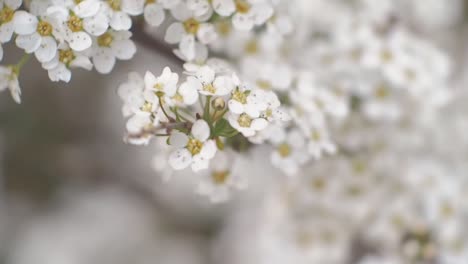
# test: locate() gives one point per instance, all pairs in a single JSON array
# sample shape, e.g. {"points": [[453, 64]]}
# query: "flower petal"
{"points": [[24, 22], [180, 159], [46, 50], [154, 14], [79, 41], [29, 43], [174, 33], [104, 61], [178, 139], [201, 130], [124, 49]]}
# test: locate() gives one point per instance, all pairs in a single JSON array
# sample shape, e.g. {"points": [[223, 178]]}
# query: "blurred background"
{"points": [[72, 192]]}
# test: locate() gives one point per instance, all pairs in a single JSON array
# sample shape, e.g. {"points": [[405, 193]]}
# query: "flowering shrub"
{"points": [[260, 72]]}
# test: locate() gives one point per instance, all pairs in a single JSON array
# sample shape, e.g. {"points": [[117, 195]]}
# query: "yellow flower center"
{"points": [[114, 4], [239, 96], [44, 28], [191, 26], [315, 135], [66, 56], [209, 88], [359, 166], [147, 2], [318, 184], [6, 15], [75, 24], [447, 210], [244, 120], [284, 150], [386, 55], [147, 107], [220, 177], [105, 40], [194, 146], [263, 84], [382, 92], [223, 27], [178, 98], [251, 47], [242, 6]]}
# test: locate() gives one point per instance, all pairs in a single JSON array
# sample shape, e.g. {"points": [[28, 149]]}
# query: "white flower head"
{"points": [[247, 13], [221, 178], [207, 82], [188, 30], [65, 59], [77, 24], [246, 124], [36, 35], [289, 154], [109, 47], [195, 150], [7, 12], [166, 83]]}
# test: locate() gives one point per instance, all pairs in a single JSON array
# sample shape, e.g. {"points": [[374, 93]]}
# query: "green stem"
{"points": [[206, 112], [162, 108], [21, 63]]}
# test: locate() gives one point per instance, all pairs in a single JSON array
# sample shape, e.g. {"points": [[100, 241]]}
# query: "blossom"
{"points": [[9, 80], [289, 154], [207, 82], [247, 13], [76, 26], [7, 12], [187, 28], [195, 150], [35, 35], [59, 67], [166, 83], [221, 178], [246, 124], [110, 46]]}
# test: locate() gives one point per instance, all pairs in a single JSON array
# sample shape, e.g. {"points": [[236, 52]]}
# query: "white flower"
{"points": [[7, 13], [319, 142], [131, 93], [76, 26], [189, 27], [221, 178], [187, 93], [246, 124], [66, 58], [110, 46], [166, 83], [289, 154], [35, 35], [247, 13], [9, 79], [200, 7], [119, 11], [195, 150], [207, 82]]}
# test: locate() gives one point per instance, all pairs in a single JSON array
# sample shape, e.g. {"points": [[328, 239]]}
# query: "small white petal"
{"points": [[86, 8], [174, 33], [178, 139], [29, 43], [224, 7], [259, 124], [124, 49], [199, 163], [60, 73], [13, 4], [82, 62], [206, 34], [181, 12], [79, 41], [201, 130], [205, 74], [6, 31], [154, 14], [120, 21], [180, 159], [242, 22], [209, 149], [46, 50], [96, 25], [133, 7], [189, 92], [236, 107], [223, 85], [24, 22], [104, 61], [187, 46]]}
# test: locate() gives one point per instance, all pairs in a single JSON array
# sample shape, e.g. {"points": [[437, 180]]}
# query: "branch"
{"points": [[146, 40]]}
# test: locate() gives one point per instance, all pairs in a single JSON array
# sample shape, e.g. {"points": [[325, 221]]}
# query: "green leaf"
{"points": [[224, 129]]}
